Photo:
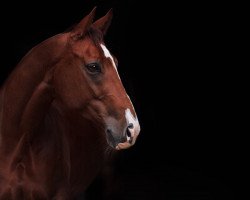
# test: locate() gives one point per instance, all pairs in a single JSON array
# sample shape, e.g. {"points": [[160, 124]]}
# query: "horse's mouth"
{"points": [[124, 145]]}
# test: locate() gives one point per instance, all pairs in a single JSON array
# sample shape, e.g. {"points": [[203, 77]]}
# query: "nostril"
{"points": [[128, 132], [131, 125], [109, 131]]}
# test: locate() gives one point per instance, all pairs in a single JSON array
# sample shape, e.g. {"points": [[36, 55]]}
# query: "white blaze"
{"points": [[108, 55], [131, 119], [131, 102]]}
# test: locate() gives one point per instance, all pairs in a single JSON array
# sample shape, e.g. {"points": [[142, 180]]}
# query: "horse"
{"points": [[63, 111]]}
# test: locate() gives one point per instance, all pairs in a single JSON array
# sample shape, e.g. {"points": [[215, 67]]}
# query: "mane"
{"points": [[95, 35]]}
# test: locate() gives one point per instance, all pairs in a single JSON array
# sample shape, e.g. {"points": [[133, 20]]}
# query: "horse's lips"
{"points": [[129, 143], [124, 145]]}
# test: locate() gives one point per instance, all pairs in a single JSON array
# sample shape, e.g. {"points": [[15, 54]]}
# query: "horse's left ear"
{"points": [[103, 23]]}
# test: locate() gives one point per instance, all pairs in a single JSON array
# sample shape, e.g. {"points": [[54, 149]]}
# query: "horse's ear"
{"points": [[103, 23], [80, 29]]}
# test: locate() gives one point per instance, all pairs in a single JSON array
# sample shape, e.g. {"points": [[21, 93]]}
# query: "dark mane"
{"points": [[95, 35]]}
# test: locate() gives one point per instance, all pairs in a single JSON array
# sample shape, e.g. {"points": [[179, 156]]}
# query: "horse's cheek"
{"points": [[67, 90], [72, 99]]}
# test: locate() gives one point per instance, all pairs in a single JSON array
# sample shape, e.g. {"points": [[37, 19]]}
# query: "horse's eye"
{"points": [[93, 68]]}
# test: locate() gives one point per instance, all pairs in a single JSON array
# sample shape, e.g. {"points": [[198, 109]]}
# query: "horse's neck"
{"points": [[88, 152], [67, 146], [56, 142], [21, 84]]}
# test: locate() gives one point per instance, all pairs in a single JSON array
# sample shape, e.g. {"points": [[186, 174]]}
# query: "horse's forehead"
{"points": [[87, 49], [92, 50]]}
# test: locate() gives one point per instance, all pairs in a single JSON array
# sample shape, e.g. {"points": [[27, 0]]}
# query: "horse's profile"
{"points": [[62, 110]]}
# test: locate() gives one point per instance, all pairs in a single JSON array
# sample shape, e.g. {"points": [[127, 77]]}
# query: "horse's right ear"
{"points": [[80, 29], [103, 23]]}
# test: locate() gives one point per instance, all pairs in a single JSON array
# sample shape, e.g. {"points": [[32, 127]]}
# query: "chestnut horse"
{"points": [[62, 111]]}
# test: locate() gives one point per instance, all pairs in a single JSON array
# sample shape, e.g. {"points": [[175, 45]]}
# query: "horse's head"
{"points": [[86, 80]]}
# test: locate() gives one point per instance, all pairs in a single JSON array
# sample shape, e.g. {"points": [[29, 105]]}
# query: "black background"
{"points": [[174, 60]]}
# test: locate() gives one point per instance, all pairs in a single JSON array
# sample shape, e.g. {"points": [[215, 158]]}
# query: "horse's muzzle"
{"points": [[127, 138], [122, 134], [131, 136]]}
